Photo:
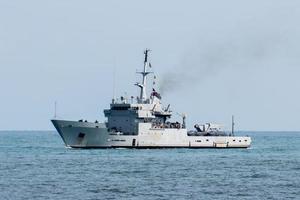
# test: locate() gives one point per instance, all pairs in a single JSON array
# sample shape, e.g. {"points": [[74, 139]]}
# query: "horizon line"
{"points": [[53, 130]]}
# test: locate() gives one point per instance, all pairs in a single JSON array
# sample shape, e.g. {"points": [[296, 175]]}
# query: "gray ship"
{"points": [[144, 122]]}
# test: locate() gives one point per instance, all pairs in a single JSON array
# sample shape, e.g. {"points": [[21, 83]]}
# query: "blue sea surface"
{"points": [[36, 165]]}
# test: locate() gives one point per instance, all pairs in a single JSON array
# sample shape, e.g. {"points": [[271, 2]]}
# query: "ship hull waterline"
{"points": [[87, 135]]}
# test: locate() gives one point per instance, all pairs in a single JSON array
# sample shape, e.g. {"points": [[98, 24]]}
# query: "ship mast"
{"points": [[143, 93]]}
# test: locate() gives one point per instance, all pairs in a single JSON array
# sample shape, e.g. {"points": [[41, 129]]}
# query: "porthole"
{"points": [[81, 135], [207, 140]]}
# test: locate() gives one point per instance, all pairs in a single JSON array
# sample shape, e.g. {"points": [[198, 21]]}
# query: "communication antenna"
{"points": [[55, 107], [232, 125], [114, 82]]}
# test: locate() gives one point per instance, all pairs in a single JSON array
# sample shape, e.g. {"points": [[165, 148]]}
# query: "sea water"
{"points": [[37, 165]]}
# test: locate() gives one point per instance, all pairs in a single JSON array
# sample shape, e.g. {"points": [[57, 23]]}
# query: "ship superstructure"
{"points": [[143, 122]]}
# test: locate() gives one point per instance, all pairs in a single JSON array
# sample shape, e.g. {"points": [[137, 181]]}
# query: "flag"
{"points": [[155, 94]]}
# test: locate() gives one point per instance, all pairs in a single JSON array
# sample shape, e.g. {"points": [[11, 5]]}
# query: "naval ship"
{"points": [[144, 122]]}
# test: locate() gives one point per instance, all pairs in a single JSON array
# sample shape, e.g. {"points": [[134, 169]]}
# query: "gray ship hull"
{"points": [[96, 135]]}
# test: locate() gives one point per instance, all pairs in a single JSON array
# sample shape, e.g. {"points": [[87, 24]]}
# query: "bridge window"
{"points": [[120, 108]]}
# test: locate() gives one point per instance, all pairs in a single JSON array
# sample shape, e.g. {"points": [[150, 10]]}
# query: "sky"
{"points": [[213, 59]]}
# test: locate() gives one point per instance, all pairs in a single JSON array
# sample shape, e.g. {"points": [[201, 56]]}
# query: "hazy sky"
{"points": [[213, 59]]}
